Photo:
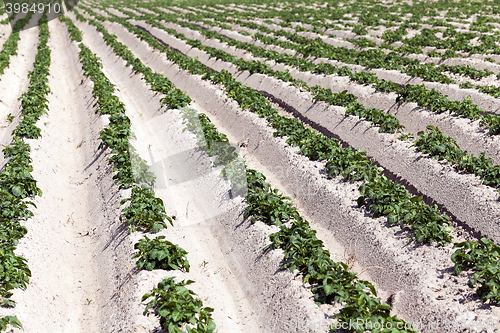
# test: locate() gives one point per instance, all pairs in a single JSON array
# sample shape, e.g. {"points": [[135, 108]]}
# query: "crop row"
{"points": [[381, 196], [16, 182], [10, 45], [172, 301]]}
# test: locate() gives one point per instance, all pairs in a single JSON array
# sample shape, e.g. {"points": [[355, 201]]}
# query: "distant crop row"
{"points": [[16, 182]]}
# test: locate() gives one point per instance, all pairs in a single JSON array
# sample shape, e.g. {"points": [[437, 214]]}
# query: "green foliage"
{"points": [[9, 320], [216, 144], [9, 118], [359, 168], [492, 121], [16, 181], [360, 30], [145, 211], [406, 137], [383, 197], [437, 102], [437, 144], [428, 72], [363, 42], [74, 32], [158, 253], [466, 85], [352, 165], [467, 71], [11, 44], [391, 36], [129, 167], [14, 273], [176, 307], [434, 54], [425, 221], [267, 204], [490, 90], [484, 258], [34, 102], [441, 146]]}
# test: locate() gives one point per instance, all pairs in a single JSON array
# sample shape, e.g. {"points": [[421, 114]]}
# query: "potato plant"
{"points": [[158, 253], [176, 307]]}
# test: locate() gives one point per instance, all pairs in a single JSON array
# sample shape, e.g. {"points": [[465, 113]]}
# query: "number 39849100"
{"points": [[26, 7]]}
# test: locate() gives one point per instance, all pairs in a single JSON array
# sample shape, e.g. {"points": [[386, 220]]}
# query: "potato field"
{"points": [[235, 166]]}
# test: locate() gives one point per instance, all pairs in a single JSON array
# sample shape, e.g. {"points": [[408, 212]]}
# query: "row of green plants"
{"points": [[17, 184], [417, 93], [171, 301], [380, 195], [387, 123], [34, 102], [10, 45]]}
